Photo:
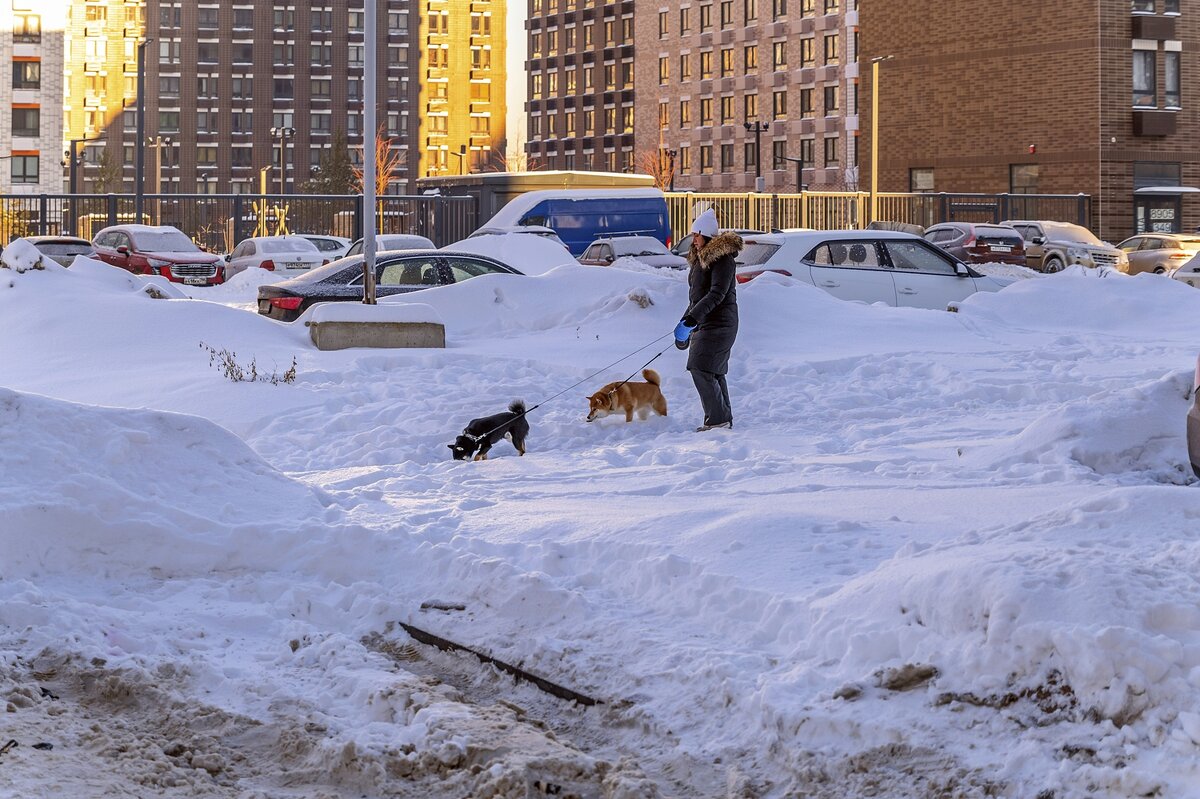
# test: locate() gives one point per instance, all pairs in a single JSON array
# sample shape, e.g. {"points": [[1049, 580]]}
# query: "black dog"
{"points": [[483, 434]]}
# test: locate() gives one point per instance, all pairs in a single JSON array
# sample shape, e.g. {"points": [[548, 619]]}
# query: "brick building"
{"points": [[1097, 97], [618, 89]]}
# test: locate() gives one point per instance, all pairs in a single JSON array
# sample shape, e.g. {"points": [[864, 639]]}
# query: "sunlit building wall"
{"points": [[32, 44]]}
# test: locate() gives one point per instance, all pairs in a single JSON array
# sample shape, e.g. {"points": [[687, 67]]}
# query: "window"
{"points": [[95, 13], [243, 88], [283, 88], [831, 6], [282, 54], [206, 17], [831, 48], [206, 86], [1143, 6], [806, 153], [1022, 178], [847, 254], [662, 24], [706, 159], [320, 53], [664, 69], [685, 20], [1170, 6], [749, 154], [778, 154], [751, 12], [664, 116], [831, 99], [481, 25], [27, 75], [706, 64], [727, 110], [24, 168], [727, 161], [168, 87], [243, 19], [26, 122], [1145, 92], [355, 21], [1171, 68], [916, 256], [779, 104], [778, 9], [750, 58], [610, 76], [808, 56], [129, 120], [168, 121], [685, 159], [706, 23], [726, 62], [726, 13], [206, 156], [921, 179], [685, 67], [627, 75], [168, 53], [751, 107], [685, 112], [706, 111], [627, 118], [831, 151], [779, 56], [397, 22], [27, 29], [243, 53], [806, 103]]}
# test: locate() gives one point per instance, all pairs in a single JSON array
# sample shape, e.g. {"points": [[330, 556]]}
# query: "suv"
{"points": [[1159, 253], [159, 250], [979, 244], [1053, 246]]}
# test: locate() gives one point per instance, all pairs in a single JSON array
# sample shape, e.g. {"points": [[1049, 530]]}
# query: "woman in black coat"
{"points": [[711, 318]]}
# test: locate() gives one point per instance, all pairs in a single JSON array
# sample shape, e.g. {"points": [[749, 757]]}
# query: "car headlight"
{"points": [[158, 263], [1078, 254]]}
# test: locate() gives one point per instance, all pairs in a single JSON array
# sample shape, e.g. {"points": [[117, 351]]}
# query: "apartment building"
{"points": [[33, 44], [1094, 98], [719, 92], [731, 90], [237, 91]]}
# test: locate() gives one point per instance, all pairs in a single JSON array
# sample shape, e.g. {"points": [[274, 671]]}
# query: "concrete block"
{"points": [[340, 335]]}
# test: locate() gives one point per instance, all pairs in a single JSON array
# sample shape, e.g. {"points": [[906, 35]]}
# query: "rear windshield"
{"points": [[639, 245], [55, 248], [291, 245], [999, 235], [165, 241], [754, 253]]}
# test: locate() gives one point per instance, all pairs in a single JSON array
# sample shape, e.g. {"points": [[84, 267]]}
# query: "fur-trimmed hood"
{"points": [[727, 243]]}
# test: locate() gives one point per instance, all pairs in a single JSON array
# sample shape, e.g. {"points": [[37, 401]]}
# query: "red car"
{"points": [[979, 244], [159, 250]]}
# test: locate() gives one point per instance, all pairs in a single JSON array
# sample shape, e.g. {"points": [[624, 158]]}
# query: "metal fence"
{"points": [[219, 221], [850, 210]]}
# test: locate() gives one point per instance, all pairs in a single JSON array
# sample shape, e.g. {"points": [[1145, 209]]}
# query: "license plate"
{"points": [[297, 265], [196, 281], [1001, 248]]}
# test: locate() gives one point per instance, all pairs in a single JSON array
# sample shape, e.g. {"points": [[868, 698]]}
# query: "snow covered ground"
{"points": [[940, 555]]}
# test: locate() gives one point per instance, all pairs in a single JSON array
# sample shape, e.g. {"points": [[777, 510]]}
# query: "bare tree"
{"points": [[515, 159], [388, 160], [110, 176], [658, 165]]}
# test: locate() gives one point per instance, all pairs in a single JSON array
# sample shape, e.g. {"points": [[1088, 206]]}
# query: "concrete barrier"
{"points": [[339, 326]]}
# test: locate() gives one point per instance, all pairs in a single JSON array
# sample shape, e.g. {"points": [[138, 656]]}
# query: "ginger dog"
{"points": [[639, 398]]}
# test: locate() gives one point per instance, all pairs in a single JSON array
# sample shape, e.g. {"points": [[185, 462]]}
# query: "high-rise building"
{"points": [[988, 97], [237, 91], [33, 44], [720, 91]]}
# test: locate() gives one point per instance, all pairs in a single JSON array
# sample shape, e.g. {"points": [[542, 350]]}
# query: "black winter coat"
{"points": [[713, 303]]}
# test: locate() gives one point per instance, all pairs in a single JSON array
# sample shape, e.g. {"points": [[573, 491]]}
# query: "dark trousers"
{"points": [[714, 396]]}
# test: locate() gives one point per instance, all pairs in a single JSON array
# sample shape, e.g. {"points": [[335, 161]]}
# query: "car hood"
{"points": [[994, 282], [660, 260], [182, 257]]}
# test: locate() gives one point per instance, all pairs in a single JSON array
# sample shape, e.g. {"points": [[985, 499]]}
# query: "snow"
{"points": [[940, 554], [21, 256], [528, 254], [393, 312]]}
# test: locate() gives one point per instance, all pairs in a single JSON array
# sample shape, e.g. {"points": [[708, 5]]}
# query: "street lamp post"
{"points": [[799, 162], [72, 160], [875, 133], [284, 134], [671, 166], [140, 160], [461, 155], [758, 128]]}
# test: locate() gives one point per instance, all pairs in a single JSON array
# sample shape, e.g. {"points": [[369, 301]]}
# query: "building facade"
{"points": [[33, 41], [713, 93], [1101, 100]]}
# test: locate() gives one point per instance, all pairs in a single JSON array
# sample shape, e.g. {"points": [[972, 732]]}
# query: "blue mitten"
{"points": [[683, 332]]}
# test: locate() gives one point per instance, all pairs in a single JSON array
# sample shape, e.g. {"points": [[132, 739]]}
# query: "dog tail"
{"points": [[650, 375], [516, 406]]}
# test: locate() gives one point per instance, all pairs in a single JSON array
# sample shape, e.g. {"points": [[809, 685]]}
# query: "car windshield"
{"points": [[639, 245], [1073, 233], [754, 253], [165, 241], [288, 245], [325, 245], [64, 248]]}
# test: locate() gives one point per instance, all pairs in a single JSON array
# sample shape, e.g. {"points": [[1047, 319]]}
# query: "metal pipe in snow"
{"points": [[369, 145]]}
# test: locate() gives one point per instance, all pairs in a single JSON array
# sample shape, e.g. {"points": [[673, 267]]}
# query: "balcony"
{"points": [[1155, 28], [1153, 123]]}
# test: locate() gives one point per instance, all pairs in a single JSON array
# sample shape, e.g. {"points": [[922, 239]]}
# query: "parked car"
{"points": [[529, 230], [866, 266], [979, 244], [1159, 253], [1193, 422], [288, 255], [62, 249], [1053, 246], [395, 273], [393, 241], [332, 247], [643, 249], [684, 245], [580, 216], [159, 250]]}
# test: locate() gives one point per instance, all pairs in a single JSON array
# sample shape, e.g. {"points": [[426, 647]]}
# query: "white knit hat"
{"points": [[706, 224]]}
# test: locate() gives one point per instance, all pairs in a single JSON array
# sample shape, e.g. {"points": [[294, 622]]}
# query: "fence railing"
{"points": [[220, 221], [850, 210]]}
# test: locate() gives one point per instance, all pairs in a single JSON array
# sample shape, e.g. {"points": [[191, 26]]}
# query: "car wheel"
{"points": [[1052, 265], [1158, 270]]}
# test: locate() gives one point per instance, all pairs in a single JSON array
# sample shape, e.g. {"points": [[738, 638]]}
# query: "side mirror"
{"points": [[961, 270], [228, 257], [608, 259], [122, 250], [1039, 240]]}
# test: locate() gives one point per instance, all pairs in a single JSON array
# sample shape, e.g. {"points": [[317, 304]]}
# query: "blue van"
{"points": [[580, 216]]}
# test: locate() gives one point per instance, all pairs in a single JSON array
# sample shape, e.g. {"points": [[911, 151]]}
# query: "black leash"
{"points": [[581, 382]]}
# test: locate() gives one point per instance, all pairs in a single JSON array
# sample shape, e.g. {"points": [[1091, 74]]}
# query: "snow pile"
{"points": [[528, 254], [394, 312], [21, 256]]}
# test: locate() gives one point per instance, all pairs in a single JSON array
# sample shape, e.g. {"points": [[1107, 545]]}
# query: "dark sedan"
{"points": [[395, 273], [62, 249]]}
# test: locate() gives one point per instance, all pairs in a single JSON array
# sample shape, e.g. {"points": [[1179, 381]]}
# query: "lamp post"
{"points": [[140, 160], [284, 134], [671, 166], [72, 160], [875, 133], [461, 155], [799, 162], [758, 128]]}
